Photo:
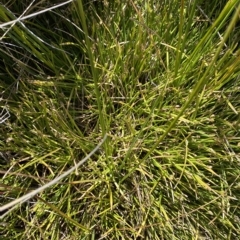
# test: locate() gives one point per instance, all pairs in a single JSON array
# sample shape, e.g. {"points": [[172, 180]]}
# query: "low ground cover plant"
{"points": [[159, 79]]}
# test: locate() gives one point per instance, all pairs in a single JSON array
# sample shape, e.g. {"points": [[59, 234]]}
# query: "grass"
{"points": [[162, 80]]}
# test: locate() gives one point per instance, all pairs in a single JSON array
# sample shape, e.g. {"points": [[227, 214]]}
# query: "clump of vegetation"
{"points": [[161, 79]]}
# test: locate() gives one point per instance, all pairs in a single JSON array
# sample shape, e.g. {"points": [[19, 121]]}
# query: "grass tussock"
{"points": [[161, 79]]}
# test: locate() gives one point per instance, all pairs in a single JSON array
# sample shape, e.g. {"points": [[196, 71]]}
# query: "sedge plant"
{"points": [[160, 79]]}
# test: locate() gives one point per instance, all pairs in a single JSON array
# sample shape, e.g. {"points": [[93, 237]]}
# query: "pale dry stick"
{"points": [[12, 205], [33, 14], [4, 115], [33, 34], [18, 19]]}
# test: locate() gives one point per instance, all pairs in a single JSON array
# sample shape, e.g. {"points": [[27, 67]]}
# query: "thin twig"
{"points": [[12, 205], [33, 14]]}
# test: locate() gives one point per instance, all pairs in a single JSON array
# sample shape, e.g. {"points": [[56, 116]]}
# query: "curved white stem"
{"points": [[26, 197]]}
